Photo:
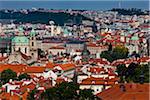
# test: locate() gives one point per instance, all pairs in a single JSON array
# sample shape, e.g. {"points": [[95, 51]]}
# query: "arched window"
{"points": [[25, 50], [32, 43], [32, 54]]}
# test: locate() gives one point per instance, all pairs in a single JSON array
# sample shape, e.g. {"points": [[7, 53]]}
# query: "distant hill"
{"points": [[42, 17], [132, 11]]}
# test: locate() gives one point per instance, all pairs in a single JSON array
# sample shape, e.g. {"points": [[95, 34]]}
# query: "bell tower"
{"points": [[33, 45]]}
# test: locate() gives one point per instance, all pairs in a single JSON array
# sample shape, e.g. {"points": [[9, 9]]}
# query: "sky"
{"points": [[74, 0]]}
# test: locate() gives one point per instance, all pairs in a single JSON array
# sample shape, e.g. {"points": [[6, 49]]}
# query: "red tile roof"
{"points": [[35, 69], [2, 58], [18, 68], [98, 81], [8, 96], [57, 47], [100, 60], [96, 70], [67, 66], [133, 92]]}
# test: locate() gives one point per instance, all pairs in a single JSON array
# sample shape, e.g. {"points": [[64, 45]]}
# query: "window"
{"points": [[32, 54], [32, 43], [32, 38], [19, 49], [25, 50]]}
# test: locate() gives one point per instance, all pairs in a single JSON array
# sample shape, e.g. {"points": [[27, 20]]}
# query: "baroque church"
{"points": [[23, 48]]}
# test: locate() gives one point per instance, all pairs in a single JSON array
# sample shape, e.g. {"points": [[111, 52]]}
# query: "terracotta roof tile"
{"points": [[8, 96], [67, 66], [133, 92], [35, 69]]}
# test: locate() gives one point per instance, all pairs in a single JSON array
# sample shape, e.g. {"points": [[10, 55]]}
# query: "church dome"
{"points": [[20, 40], [66, 31], [135, 38]]}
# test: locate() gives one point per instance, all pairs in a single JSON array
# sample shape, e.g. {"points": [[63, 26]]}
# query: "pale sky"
{"points": [[74, 0]]}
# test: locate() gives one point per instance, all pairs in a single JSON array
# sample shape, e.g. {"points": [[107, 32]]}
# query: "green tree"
{"points": [[135, 71], [8, 74], [31, 95], [50, 94], [121, 70], [86, 94], [106, 55], [1, 84], [24, 76], [119, 52], [67, 91]]}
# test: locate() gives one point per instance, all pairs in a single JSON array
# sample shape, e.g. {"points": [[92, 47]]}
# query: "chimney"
{"points": [[122, 88], [28, 90], [133, 86]]}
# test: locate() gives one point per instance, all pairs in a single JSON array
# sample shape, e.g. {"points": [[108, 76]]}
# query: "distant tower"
{"points": [[33, 45], [119, 4], [94, 28], [85, 54]]}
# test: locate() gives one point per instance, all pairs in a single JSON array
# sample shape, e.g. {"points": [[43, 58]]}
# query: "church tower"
{"points": [[20, 43], [85, 54], [33, 45]]}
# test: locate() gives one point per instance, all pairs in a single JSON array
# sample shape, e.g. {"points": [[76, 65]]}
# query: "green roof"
{"points": [[20, 39], [32, 33], [66, 31], [20, 28], [134, 38]]}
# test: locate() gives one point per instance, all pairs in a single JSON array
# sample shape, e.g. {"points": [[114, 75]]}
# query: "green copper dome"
{"points": [[20, 40], [66, 31], [135, 38]]}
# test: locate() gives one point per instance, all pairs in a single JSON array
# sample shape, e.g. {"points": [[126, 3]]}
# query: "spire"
{"points": [[75, 77], [32, 33], [21, 30]]}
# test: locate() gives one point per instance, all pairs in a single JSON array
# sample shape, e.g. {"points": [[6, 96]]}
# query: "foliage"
{"points": [[24, 76], [86, 94], [42, 17], [133, 73], [121, 69], [8, 74], [106, 55], [119, 52], [132, 11], [31, 95], [1, 84], [65, 91]]}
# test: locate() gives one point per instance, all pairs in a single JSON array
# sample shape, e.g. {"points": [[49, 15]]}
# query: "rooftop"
{"points": [[132, 91]]}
